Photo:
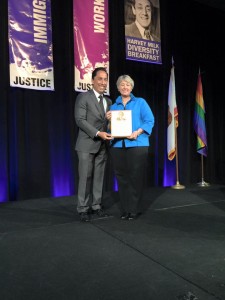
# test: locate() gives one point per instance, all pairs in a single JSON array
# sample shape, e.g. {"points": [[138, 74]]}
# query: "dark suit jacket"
{"points": [[89, 119], [132, 30]]}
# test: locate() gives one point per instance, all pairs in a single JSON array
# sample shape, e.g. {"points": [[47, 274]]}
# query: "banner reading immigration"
{"points": [[142, 30], [91, 44], [30, 44]]}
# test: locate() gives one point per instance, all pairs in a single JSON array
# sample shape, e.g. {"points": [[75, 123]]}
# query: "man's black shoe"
{"points": [[133, 216], [100, 213], [84, 217]]}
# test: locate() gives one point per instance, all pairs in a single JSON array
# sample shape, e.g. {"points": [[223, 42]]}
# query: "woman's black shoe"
{"points": [[131, 216], [124, 216]]}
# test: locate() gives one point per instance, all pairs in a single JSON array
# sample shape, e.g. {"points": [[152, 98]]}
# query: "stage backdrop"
{"points": [[38, 130]]}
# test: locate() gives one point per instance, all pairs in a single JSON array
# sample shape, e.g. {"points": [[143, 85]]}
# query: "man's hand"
{"points": [[104, 135]]}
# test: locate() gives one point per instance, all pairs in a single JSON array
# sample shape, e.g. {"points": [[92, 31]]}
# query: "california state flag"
{"points": [[172, 118]]}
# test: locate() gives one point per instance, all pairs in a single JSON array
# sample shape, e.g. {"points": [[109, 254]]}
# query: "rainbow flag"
{"points": [[172, 118], [199, 119]]}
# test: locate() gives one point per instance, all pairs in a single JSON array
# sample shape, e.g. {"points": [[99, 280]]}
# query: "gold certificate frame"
{"points": [[121, 123]]}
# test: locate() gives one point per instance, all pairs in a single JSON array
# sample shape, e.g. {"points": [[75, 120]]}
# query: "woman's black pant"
{"points": [[130, 170]]}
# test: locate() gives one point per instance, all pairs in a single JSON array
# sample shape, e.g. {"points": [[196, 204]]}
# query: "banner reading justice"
{"points": [[91, 45], [142, 30], [30, 44]]}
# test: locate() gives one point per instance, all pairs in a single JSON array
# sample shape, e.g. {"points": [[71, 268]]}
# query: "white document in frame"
{"points": [[121, 123]]}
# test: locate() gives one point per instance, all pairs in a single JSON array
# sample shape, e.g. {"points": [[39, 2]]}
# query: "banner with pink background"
{"points": [[91, 40]]}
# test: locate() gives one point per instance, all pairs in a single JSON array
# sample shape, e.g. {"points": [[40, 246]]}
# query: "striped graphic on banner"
{"points": [[30, 44], [91, 44], [199, 119]]}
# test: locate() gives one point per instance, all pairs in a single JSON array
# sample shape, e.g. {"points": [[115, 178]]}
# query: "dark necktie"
{"points": [[101, 104], [147, 34]]}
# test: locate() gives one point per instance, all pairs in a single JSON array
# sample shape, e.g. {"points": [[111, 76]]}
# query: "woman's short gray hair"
{"points": [[126, 78]]}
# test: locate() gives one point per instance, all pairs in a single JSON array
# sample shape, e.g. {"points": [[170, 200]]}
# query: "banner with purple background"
{"points": [[91, 44], [142, 30], [30, 44]]}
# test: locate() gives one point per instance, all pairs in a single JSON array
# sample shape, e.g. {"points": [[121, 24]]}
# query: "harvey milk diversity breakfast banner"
{"points": [[30, 44], [142, 30], [91, 40]]}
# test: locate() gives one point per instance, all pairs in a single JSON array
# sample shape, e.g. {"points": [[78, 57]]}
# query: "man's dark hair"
{"points": [[94, 73]]}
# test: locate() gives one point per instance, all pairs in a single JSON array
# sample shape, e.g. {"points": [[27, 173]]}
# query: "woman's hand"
{"points": [[108, 115], [133, 135]]}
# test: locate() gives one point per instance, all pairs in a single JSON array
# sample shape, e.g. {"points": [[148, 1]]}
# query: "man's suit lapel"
{"points": [[108, 104], [136, 31]]}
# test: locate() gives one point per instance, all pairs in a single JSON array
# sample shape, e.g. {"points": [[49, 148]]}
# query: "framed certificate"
{"points": [[121, 123]]}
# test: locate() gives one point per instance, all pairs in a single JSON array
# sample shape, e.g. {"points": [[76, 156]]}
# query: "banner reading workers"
{"points": [[91, 45]]}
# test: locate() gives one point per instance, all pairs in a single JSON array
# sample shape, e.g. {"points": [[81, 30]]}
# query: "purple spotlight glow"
{"points": [[3, 192], [169, 172], [61, 164], [115, 184], [60, 185], [61, 177], [3, 179]]}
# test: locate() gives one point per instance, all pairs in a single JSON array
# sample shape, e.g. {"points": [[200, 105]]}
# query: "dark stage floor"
{"points": [[174, 251]]}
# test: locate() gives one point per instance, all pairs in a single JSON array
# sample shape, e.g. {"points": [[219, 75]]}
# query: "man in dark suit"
{"points": [[91, 144], [141, 28]]}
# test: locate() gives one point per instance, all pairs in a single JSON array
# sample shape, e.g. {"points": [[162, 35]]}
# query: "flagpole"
{"points": [[172, 126], [199, 126], [203, 183], [177, 186]]}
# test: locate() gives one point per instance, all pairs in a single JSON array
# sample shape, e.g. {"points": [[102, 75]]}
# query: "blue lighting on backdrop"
{"points": [[62, 181], [61, 164], [115, 185], [3, 170], [169, 172], [3, 184], [13, 152]]}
